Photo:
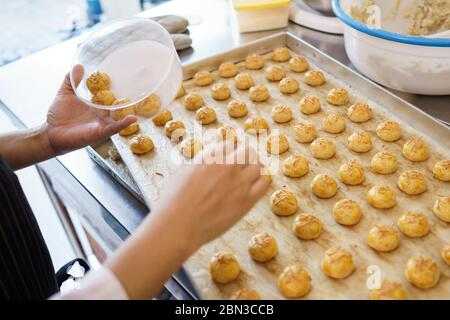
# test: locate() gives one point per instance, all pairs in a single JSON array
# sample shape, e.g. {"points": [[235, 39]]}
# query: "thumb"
{"points": [[76, 75]]}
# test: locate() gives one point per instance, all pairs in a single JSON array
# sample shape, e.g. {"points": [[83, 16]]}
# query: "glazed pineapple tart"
{"points": [[256, 125], [131, 129], [246, 294], [298, 64], [413, 224], [337, 97], [324, 186], [422, 271], [384, 162], [98, 81], [275, 73], [205, 115], [254, 62], [307, 226], [304, 132], [141, 144], [103, 98], [227, 70], [203, 78], [360, 142], [383, 238], [174, 129], [283, 203], [441, 170], [224, 267], [388, 290], [381, 197], [288, 85], [333, 123], [441, 208], [415, 150], [190, 147], [351, 173], [262, 247], [237, 109], [259, 93], [295, 166], [347, 212], [281, 54], [193, 101], [359, 112], [388, 131], [309, 104], [337, 263], [277, 144], [322, 148], [314, 78], [243, 81], [294, 282], [220, 91], [161, 118], [412, 182], [281, 113]]}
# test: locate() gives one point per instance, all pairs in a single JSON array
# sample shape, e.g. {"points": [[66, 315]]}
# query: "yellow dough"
{"points": [[243, 81], [337, 97], [190, 147], [224, 267], [441, 208], [193, 101], [262, 247], [122, 112], [381, 197], [322, 148], [180, 92], [360, 142], [388, 291], [294, 282], [359, 112], [347, 212], [333, 123], [205, 115], [309, 105], [441, 170], [141, 144], [288, 85], [412, 182], [277, 144], [256, 125], [422, 271], [131, 129], [389, 131], [237, 109], [283, 203], [103, 98], [298, 64], [162, 117], [281, 54], [227, 70], [304, 132], [203, 78], [259, 93], [220, 91], [226, 133], [307, 226], [384, 162], [337, 263], [149, 105], [383, 238], [98, 81], [275, 73], [314, 78], [415, 150], [413, 224], [254, 62], [175, 129], [281, 113], [324, 186], [351, 173], [295, 166], [246, 294], [445, 254]]}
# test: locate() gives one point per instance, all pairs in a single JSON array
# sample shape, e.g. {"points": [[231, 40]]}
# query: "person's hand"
{"points": [[71, 124]]}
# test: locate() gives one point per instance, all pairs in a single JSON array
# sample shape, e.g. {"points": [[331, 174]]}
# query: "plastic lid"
{"points": [[259, 4]]}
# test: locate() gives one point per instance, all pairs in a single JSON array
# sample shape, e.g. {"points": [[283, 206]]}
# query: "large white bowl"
{"points": [[406, 63]]}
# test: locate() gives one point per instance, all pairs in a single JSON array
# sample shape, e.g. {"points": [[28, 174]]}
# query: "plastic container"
{"points": [[139, 56], [258, 15]]}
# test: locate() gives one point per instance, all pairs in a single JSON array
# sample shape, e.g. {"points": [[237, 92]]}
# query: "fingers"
{"points": [[259, 188], [76, 74], [115, 126]]}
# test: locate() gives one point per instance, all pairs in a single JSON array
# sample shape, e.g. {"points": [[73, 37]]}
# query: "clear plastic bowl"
{"points": [[139, 56]]}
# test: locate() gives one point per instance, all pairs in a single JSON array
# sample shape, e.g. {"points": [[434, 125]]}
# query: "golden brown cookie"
{"points": [[298, 64], [324, 186], [415, 150], [337, 263], [307, 226], [254, 62], [175, 129], [283, 203], [314, 78], [161, 118], [383, 238], [413, 224], [360, 141], [388, 291], [309, 104], [294, 282], [288, 85], [237, 109], [259, 93], [121, 113], [103, 98], [227, 70], [295, 166], [441, 170], [141, 144], [304, 132], [422, 271], [333, 123], [281, 54], [243, 81], [412, 182], [148, 106], [389, 131], [180, 92], [322, 148], [193, 101], [246, 294], [227, 133], [441, 208], [262, 247], [203, 78], [205, 115], [384, 162], [275, 73], [347, 212], [97, 81], [281, 113], [190, 147], [220, 91], [381, 197], [131, 129], [351, 173], [337, 97], [277, 143], [224, 267], [256, 125], [359, 112]]}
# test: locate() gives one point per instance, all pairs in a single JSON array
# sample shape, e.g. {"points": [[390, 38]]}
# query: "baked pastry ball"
{"points": [[262, 247], [243, 81], [307, 226], [281, 54], [324, 186], [97, 81], [445, 254], [309, 105], [180, 92], [389, 131], [220, 91], [174, 129], [205, 115], [281, 113], [441, 208], [304, 132], [256, 125], [294, 282], [347, 212], [190, 147], [246, 294], [314, 78], [227, 70], [384, 162], [441, 170], [131, 129], [333, 123], [322, 148], [388, 291], [422, 271], [298, 64], [360, 141], [381, 197], [103, 98], [161, 118], [337, 263], [383, 238], [193, 101], [237, 109], [415, 150], [351, 173], [123, 112], [148, 106], [337, 97], [413, 224], [203, 78], [288, 85], [275, 73], [141, 144], [226, 133], [412, 182], [283, 203], [277, 144], [295, 166], [259, 93], [224, 267], [359, 112], [254, 62]]}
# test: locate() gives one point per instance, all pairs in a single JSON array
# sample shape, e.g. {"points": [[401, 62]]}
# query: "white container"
{"points": [[259, 15]]}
